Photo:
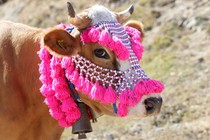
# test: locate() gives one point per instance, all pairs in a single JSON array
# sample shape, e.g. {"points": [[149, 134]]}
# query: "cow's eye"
{"points": [[101, 53]]}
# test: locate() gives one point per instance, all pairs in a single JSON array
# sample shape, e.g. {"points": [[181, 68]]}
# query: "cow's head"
{"points": [[101, 58]]}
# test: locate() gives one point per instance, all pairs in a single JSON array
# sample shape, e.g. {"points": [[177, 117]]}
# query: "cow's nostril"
{"points": [[153, 105], [149, 105]]}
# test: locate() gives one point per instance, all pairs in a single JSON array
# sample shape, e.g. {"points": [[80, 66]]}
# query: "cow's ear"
{"points": [[137, 25], [60, 43]]}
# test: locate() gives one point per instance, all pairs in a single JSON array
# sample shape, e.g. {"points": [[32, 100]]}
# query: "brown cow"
{"points": [[22, 112]]}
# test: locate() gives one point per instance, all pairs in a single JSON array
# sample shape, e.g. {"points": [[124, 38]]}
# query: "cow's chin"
{"points": [[140, 111]]}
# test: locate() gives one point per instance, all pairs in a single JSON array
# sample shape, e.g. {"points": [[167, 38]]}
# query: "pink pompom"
{"points": [[73, 116], [58, 83], [56, 113], [120, 50], [85, 37], [46, 91], [55, 61], [64, 123], [66, 62], [94, 35], [138, 50], [52, 102], [63, 93], [104, 38], [68, 105], [154, 86]]}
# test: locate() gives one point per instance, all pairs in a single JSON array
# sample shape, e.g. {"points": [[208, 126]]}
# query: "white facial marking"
{"points": [[139, 109], [124, 64], [99, 13]]}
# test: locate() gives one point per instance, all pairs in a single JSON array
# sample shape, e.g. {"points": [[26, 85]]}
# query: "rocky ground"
{"points": [[177, 52]]}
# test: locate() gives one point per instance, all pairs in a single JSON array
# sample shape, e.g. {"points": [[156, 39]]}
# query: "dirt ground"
{"points": [[177, 52]]}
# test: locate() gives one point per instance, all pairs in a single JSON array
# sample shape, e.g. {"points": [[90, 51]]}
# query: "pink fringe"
{"points": [[122, 110], [110, 96]]}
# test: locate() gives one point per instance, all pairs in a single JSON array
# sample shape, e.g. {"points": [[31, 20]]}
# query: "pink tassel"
{"points": [[69, 72], [97, 92], [79, 83], [110, 96], [124, 98], [72, 76], [140, 88], [148, 87], [134, 98], [122, 110], [87, 87]]}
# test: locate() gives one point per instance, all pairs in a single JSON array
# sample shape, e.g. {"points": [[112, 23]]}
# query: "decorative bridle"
{"points": [[125, 88]]}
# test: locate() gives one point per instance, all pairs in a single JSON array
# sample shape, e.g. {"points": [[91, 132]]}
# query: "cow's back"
{"points": [[22, 112]]}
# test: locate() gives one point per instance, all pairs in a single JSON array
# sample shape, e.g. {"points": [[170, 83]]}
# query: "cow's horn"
{"points": [[70, 10], [81, 21], [122, 16]]}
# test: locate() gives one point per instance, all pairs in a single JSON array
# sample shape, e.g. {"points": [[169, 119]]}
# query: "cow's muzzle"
{"points": [[153, 105]]}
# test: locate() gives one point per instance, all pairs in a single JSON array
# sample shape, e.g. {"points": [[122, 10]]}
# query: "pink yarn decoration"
{"points": [[56, 71], [55, 90]]}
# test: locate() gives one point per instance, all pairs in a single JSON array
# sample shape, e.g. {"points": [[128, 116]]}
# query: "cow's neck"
{"points": [[28, 69]]}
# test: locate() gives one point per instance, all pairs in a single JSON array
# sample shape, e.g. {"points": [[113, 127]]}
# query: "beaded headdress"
{"points": [[125, 88]]}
